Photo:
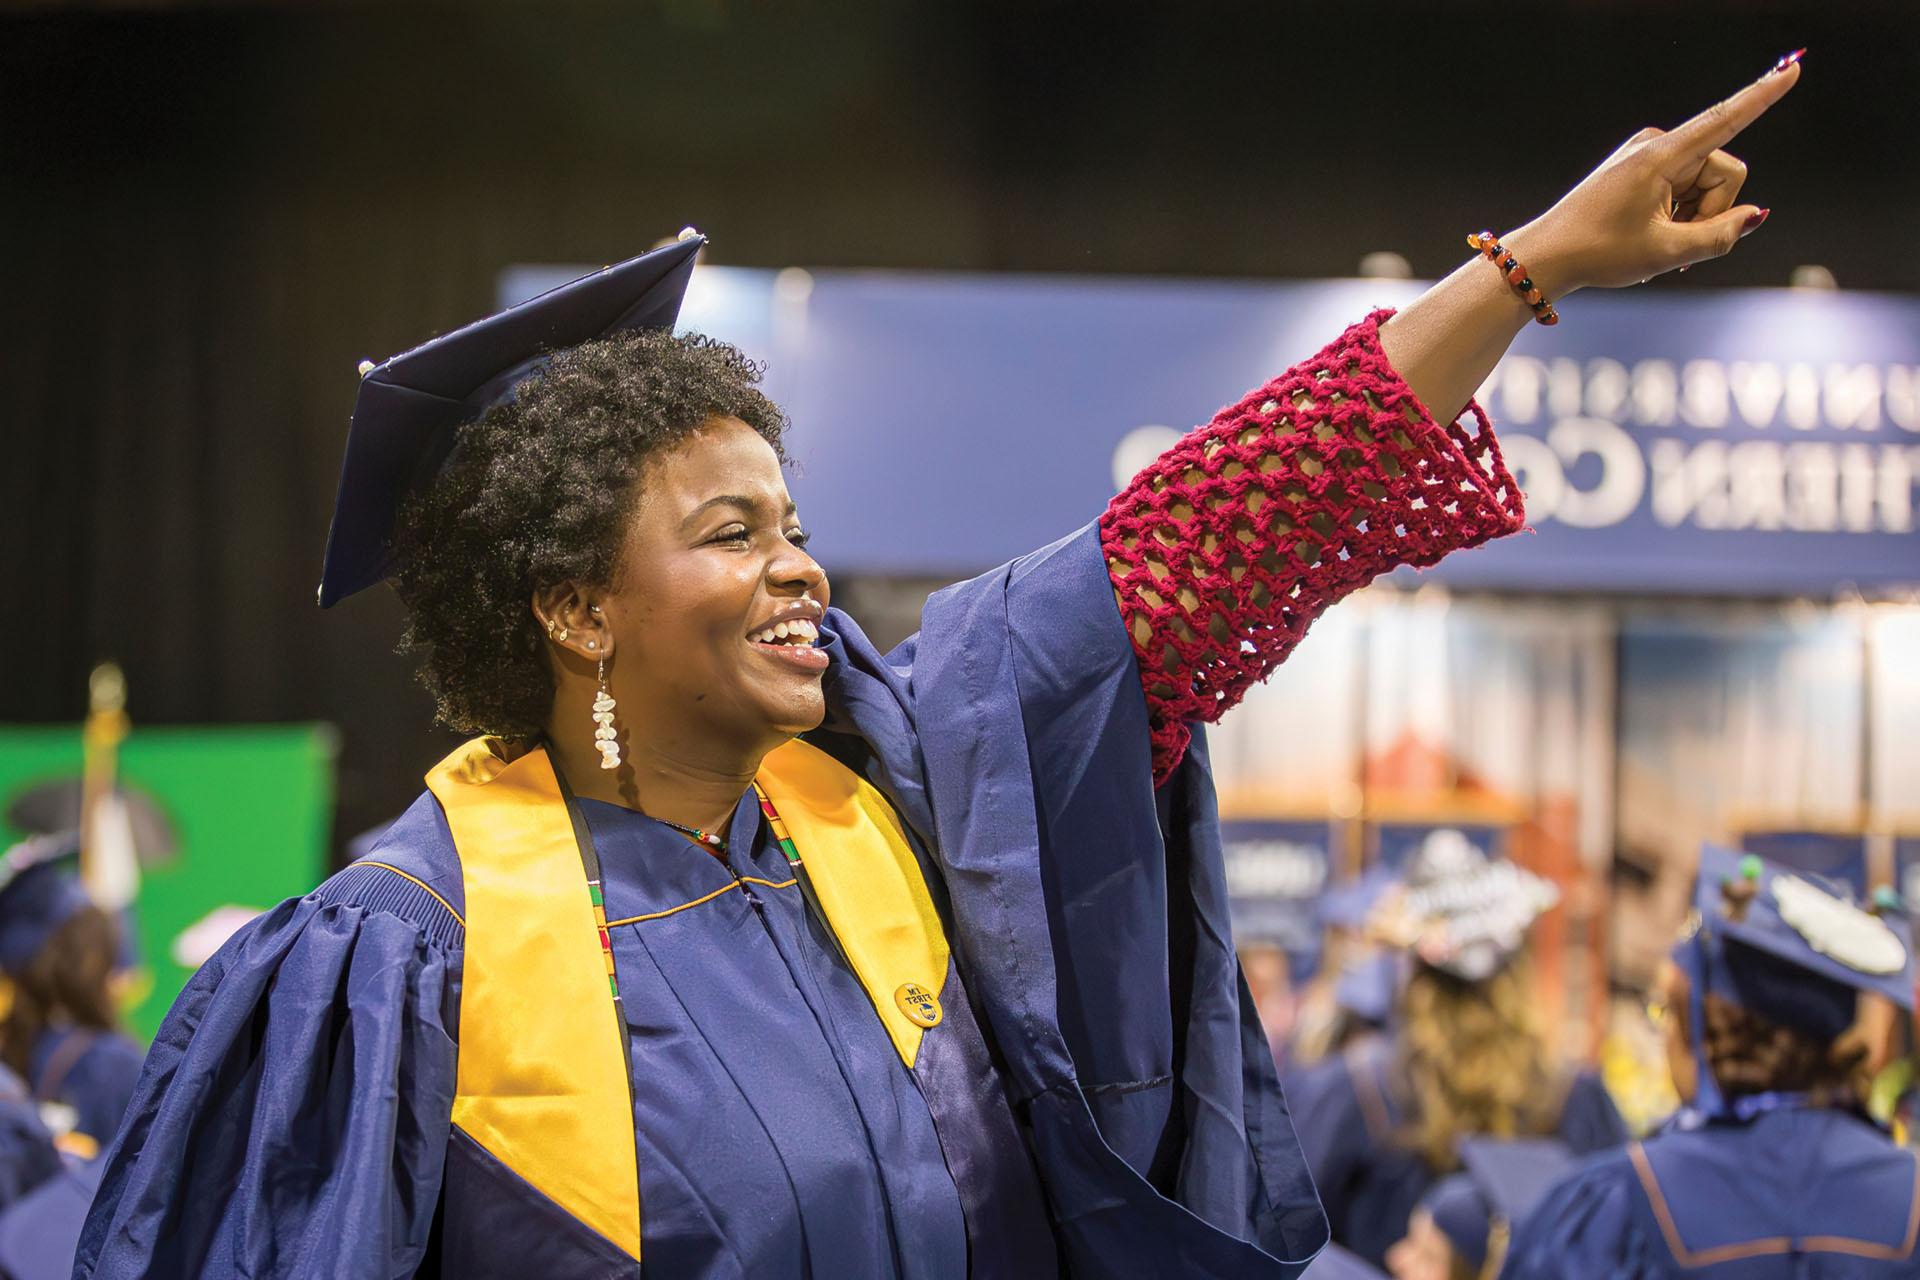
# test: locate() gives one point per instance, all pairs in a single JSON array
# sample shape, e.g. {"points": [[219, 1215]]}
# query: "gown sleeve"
{"points": [[1226, 547], [1584, 1226], [292, 1117]]}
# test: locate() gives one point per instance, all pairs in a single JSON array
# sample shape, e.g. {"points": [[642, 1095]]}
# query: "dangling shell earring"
{"points": [[604, 735]]}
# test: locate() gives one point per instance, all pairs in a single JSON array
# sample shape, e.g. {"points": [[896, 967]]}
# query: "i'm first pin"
{"points": [[920, 1005]]}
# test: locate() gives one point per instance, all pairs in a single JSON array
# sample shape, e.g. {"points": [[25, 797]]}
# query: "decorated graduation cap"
{"points": [[39, 891], [410, 408], [1792, 947], [1458, 910], [1502, 1179]]}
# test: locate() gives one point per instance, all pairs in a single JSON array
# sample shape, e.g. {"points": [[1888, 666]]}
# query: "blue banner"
{"points": [[1276, 872], [1757, 441], [1391, 844], [1906, 874]]}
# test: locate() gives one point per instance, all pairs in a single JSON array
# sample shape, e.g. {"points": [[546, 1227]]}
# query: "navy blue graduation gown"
{"points": [[27, 1154], [1118, 1107], [38, 1234], [1349, 1111], [92, 1072], [1796, 1194]]}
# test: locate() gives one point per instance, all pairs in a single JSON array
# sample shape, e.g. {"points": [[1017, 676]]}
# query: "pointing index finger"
{"points": [[1722, 122]]}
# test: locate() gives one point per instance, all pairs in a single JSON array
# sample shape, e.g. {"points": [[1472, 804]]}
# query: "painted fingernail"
{"points": [[1787, 61], [1754, 220]]}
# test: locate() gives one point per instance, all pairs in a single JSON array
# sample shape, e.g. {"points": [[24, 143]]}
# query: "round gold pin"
{"points": [[920, 1005]]}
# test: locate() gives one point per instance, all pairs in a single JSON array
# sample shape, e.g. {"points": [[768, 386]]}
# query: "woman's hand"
{"points": [[1663, 200]]}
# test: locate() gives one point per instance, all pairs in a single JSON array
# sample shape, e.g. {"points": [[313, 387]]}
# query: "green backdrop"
{"points": [[252, 806]]}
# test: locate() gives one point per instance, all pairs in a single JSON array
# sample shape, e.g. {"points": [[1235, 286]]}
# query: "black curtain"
{"points": [[210, 216]]}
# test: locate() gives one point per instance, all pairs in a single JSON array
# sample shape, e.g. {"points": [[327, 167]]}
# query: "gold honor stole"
{"points": [[542, 1081]]}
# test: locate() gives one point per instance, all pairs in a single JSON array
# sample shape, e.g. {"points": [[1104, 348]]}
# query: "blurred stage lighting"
{"points": [[1385, 264], [1812, 276]]}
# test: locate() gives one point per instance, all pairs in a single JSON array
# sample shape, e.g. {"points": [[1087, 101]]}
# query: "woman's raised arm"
{"points": [[1228, 545]]}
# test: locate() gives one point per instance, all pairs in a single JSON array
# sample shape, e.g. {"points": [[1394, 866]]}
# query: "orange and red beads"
{"points": [[1486, 243]]}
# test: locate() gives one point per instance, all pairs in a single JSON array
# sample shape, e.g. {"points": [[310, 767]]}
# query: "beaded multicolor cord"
{"points": [[1488, 244], [718, 848], [712, 843], [606, 939], [779, 828]]}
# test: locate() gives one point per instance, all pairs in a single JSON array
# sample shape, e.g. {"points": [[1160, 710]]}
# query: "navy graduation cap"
{"points": [[407, 415], [39, 891], [1793, 947], [1502, 1180]]}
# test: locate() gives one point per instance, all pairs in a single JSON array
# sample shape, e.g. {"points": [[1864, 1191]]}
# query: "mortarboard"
{"points": [[1793, 947], [409, 409], [1503, 1179], [39, 891], [1458, 910]]}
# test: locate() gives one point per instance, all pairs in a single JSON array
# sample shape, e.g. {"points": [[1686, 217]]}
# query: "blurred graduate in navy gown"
{"points": [[66, 1071], [1771, 1168], [1462, 1225], [1381, 1121], [59, 954], [44, 1191]]}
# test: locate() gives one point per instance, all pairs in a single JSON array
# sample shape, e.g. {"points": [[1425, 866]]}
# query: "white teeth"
{"points": [[800, 630]]}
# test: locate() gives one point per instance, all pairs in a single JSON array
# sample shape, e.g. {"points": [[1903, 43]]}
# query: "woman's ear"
{"points": [[574, 622], [1676, 997]]}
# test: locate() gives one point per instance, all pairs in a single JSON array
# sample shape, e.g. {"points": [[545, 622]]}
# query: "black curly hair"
{"points": [[537, 493]]}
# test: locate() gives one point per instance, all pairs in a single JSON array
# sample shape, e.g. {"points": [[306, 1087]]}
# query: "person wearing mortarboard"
{"points": [[1382, 1121], [58, 957], [734, 947], [1460, 1228], [1772, 1167], [1351, 998]]}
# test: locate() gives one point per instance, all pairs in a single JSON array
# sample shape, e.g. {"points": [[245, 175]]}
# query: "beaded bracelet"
{"points": [[1517, 276]]}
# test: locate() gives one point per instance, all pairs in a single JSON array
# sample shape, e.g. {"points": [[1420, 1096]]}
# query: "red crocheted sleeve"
{"points": [[1227, 547]]}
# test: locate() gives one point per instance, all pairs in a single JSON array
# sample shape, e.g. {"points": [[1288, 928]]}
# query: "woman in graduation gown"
{"points": [[1772, 1169], [740, 948], [58, 956], [1381, 1122]]}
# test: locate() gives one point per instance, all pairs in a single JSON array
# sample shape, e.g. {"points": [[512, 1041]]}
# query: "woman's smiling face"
{"points": [[717, 605]]}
